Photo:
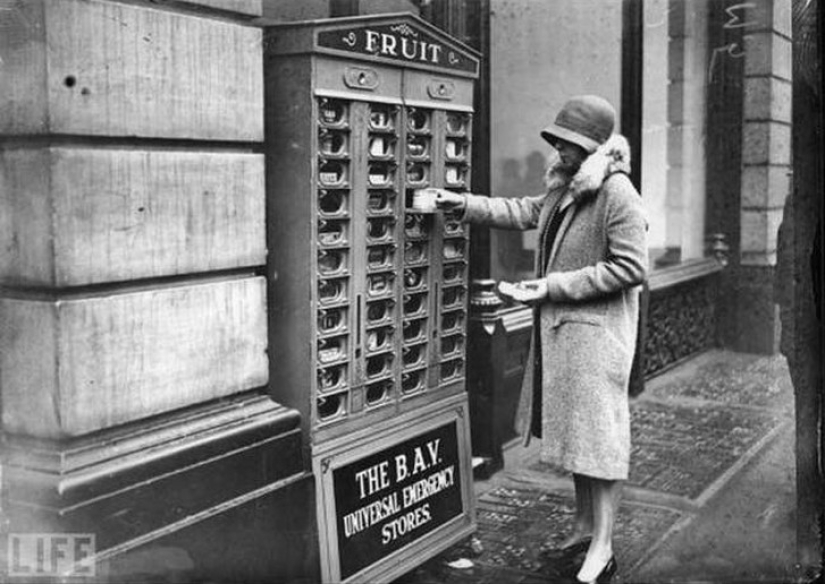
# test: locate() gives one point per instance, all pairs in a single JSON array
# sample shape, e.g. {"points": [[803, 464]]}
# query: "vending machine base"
{"points": [[393, 496]]}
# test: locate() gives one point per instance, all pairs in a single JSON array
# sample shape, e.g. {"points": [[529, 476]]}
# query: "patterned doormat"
{"points": [[681, 450], [518, 527], [731, 378]]}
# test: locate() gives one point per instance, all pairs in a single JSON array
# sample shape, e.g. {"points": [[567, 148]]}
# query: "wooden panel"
{"points": [[124, 214], [438, 91], [339, 77], [74, 366], [249, 7], [115, 69]]}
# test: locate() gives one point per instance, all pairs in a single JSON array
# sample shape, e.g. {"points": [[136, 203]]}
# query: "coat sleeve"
{"points": [[504, 213], [626, 261]]}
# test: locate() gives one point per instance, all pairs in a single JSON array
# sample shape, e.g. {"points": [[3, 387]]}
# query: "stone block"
{"points": [[758, 236], [75, 216], [83, 363], [767, 98], [766, 143], [768, 53], [91, 67], [765, 186]]}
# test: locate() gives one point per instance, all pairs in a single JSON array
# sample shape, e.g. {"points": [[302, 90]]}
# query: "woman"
{"points": [[591, 260]]}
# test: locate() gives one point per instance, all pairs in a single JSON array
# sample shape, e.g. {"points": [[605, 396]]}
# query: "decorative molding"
{"points": [[684, 272]]}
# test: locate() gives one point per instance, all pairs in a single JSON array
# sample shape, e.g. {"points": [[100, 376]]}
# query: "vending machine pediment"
{"points": [[401, 39]]}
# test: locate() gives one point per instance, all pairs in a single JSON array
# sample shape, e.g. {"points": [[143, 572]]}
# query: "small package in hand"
{"points": [[424, 200]]}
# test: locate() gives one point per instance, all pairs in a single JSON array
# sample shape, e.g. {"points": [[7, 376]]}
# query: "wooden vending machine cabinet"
{"points": [[368, 300]]}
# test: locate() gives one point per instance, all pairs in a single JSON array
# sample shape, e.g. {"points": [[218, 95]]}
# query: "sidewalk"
{"points": [[710, 498]]}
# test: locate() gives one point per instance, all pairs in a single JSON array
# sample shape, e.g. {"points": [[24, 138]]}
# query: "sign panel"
{"points": [[393, 497], [397, 42]]}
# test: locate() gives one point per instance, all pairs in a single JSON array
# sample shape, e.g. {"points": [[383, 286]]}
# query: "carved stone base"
{"points": [[198, 487]]}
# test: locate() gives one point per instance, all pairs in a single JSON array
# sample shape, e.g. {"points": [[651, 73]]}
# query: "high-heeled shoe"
{"points": [[577, 547], [567, 554], [607, 573]]}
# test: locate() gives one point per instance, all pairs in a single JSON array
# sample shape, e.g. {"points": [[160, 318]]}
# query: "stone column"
{"points": [[766, 158]]}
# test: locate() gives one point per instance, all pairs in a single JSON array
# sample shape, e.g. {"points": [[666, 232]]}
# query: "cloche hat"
{"points": [[586, 120]]}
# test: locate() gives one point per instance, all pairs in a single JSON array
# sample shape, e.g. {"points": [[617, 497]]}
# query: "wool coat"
{"points": [[586, 328]]}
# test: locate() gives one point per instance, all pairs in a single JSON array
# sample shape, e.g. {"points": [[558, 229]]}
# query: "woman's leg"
{"points": [[583, 526], [605, 503]]}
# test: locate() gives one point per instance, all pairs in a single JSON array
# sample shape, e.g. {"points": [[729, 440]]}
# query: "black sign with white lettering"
{"points": [[398, 42], [394, 497]]}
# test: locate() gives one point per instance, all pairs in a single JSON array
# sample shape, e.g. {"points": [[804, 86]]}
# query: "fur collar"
{"points": [[612, 156]]}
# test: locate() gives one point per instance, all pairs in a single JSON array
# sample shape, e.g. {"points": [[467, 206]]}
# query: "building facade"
{"points": [[136, 345]]}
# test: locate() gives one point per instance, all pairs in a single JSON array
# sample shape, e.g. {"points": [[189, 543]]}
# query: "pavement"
{"points": [[711, 495]]}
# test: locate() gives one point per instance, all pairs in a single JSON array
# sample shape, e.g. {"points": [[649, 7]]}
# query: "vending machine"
{"points": [[369, 289]]}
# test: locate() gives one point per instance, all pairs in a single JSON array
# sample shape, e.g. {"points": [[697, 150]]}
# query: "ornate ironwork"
{"points": [[681, 321]]}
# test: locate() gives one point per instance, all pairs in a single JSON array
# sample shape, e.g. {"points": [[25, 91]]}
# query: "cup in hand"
{"points": [[424, 200]]}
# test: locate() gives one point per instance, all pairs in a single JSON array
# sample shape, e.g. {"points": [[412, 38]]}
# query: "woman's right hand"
{"points": [[448, 200]]}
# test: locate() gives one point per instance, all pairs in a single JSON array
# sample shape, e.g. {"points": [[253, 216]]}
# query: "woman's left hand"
{"points": [[530, 292]]}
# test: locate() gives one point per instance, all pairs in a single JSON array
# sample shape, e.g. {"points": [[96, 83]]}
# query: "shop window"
{"points": [[673, 129]]}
